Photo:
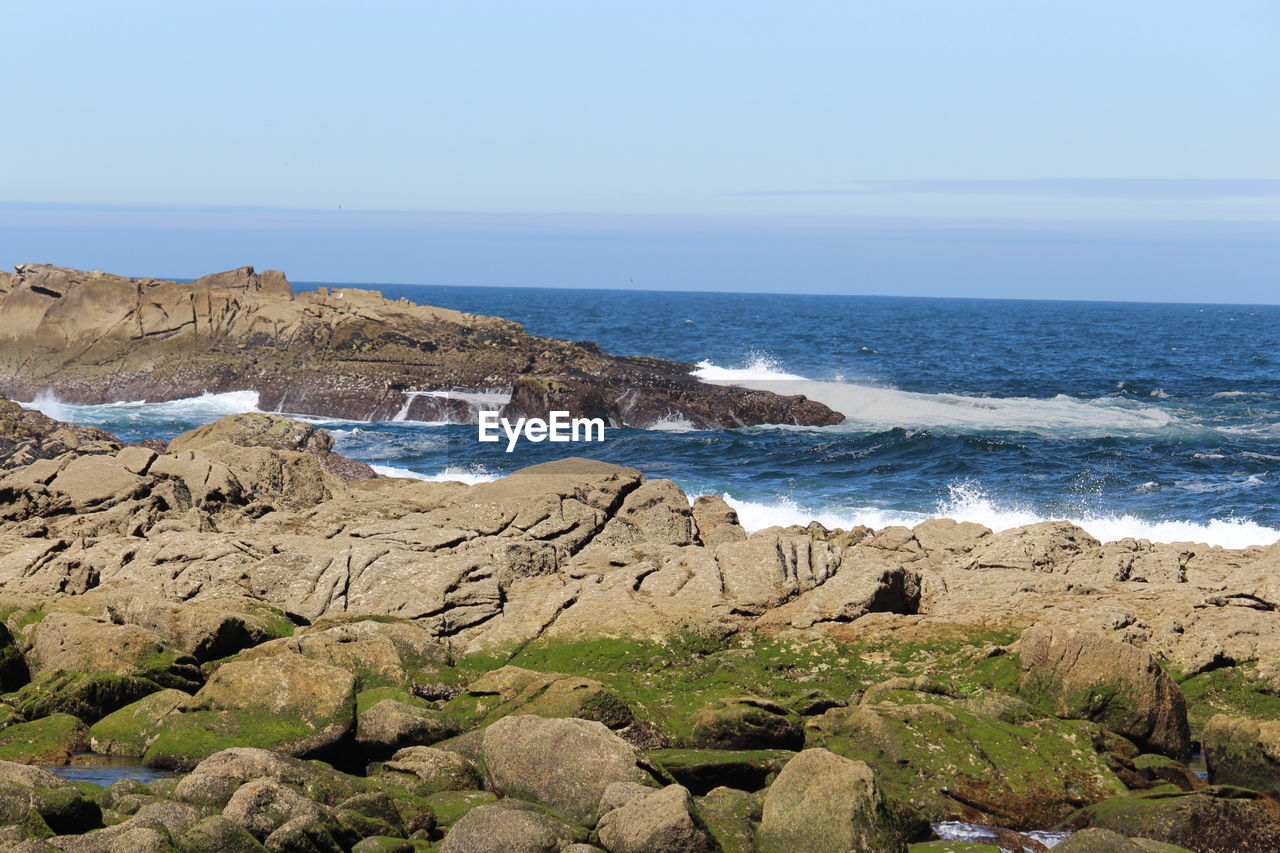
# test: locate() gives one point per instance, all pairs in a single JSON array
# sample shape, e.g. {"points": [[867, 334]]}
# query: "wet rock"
{"points": [[27, 435], [341, 353], [564, 764], [656, 820], [1074, 673], [746, 722], [822, 802]]}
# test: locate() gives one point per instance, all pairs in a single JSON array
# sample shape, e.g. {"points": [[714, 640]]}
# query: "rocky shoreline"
{"points": [[578, 658], [93, 338]]}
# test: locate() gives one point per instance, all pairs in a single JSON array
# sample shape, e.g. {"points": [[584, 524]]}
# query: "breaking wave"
{"points": [[469, 474], [967, 502]]}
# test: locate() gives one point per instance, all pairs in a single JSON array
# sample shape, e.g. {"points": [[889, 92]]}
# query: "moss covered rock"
{"points": [[56, 803], [514, 690], [288, 703], [87, 695], [701, 770], [1244, 752], [729, 816], [823, 803], [1218, 819], [1074, 673], [391, 725], [50, 740], [746, 722], [131, 729], [944, 762]]}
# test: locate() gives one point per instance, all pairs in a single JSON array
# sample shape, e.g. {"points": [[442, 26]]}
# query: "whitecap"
{"points": [[761, 368], [968, 502], [469, 474]]}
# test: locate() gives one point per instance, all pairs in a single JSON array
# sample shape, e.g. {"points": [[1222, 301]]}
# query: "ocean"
{"points": [[1157, 421]]}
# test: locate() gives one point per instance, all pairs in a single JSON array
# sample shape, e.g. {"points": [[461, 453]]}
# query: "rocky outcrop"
{"points": [[90, 337], [575, 658]]}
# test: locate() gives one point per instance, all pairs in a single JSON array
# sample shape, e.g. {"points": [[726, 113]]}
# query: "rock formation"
{"points": [[90, 337], [575, 658]]}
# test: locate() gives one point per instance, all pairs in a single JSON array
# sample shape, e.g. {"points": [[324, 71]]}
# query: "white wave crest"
{"points": [[469, 474], [210, 405], [967, 502], [761, 368]]}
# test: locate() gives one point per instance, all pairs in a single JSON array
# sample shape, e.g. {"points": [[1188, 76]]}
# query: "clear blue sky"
{"points": [[1121, 148]]}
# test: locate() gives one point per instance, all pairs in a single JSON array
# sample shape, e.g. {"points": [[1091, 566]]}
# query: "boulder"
{"points": [[286, 703], [655, 820], [657, 512], [61, 807], [76, 643], [377, 651], [822, 802], [507, 827], [432, 770], [48, 740], [262, 806], [730, 817], [1244, 752], [1084, 675], [214, 780], [390, 725], [746, 722], [701, 770], [259, 429], [128, 731], [204, 631], [216, 834], [89, 696], [564, 764]]}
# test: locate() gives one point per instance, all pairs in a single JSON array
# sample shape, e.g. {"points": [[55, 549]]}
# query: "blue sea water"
{"points": [[1149, 420]]}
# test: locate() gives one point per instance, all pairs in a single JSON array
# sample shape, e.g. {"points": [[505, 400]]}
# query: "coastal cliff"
{"points": [[577, 657], [90, 337]]}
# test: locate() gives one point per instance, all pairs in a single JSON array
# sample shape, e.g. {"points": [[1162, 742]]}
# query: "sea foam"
{"points": [[966, 502], [874, 407]]}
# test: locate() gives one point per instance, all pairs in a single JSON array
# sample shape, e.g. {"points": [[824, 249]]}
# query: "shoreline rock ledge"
{"points": [[92, 338]]}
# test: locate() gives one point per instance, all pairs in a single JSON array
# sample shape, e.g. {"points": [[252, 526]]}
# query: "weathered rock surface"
{"points": [[1215, 820], [654, 820], [337, 352], [1244, 752], [822, 802], [564, 764], [1082, 674]]}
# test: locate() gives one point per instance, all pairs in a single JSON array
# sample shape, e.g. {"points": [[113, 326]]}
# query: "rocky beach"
{"points": [[576, 657]]}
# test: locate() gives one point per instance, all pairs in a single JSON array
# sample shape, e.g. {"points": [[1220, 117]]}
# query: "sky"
{"points": [[1091, 149]]}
